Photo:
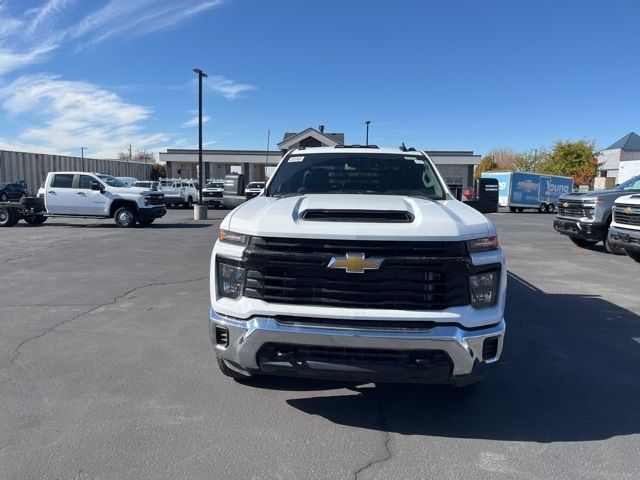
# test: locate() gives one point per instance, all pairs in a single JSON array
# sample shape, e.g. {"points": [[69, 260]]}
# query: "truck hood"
{"points": [[593, 194], [432, 220]]}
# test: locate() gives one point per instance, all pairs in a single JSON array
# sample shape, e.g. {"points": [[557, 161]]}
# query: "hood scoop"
{"points": [[357, 216]]}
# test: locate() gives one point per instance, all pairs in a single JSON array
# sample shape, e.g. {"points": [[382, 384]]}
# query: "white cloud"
{"points": [[130, 18], [76, 113], [226, 87], [12, 60], [45, 13], [194, 121]]}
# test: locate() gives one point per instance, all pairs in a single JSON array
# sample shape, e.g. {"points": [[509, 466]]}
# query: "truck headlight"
{"points": [[484, 288], [230, 278], [483, 244], [228, 236]]}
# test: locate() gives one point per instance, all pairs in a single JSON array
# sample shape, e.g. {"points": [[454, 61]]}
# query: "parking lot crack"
{"points": [[113, 301], [386, 439]]}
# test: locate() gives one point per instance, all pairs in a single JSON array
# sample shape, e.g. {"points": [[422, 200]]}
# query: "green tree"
{"points": [[570, 159], [525, 162]]}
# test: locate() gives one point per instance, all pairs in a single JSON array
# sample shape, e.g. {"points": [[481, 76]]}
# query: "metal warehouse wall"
{"points": [[33, 167]]}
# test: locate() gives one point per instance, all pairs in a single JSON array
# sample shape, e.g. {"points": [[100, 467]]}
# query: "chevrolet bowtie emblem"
{"points": [[565, 204], [627, 210], [355, 263]]}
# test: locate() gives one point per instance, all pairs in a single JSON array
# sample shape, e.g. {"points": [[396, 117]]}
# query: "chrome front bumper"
{"points": [[247, 337]]}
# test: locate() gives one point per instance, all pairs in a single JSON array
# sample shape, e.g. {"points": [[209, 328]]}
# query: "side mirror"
{"points": [[97, 186]]}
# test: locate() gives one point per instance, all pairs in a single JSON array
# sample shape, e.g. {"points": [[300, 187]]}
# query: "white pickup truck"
{"points": [[624, 231], [358, 264], [180, 192], [86, 195]]}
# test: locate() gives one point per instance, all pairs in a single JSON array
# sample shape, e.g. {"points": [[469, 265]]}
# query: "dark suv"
{"points": [[11, 192]]}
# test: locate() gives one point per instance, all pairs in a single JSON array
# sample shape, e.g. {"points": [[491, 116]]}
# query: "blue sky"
{"points": [[440, 75]]}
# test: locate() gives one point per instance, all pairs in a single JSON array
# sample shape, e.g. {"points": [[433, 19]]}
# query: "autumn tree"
{"points": [[144, 156], [487, 164], [570, 159]]}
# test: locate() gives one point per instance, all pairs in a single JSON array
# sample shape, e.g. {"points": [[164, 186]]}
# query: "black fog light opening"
{"points": [[222, 336], [490, 348]]}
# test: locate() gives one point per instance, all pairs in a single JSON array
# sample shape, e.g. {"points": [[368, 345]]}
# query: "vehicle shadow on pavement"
{"points": [[112, 226], [568, 373]]}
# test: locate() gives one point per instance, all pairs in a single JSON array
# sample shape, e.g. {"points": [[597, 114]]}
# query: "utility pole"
{"points": [[82, 149], [199, 212], [130, 155], [367, 123]]}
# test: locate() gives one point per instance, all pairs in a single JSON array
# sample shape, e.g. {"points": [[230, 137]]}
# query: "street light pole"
{"points": [[82, 149], [367, 123], [202, 213]]}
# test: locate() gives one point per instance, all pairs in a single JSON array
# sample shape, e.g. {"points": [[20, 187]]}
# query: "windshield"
{"points": [[631, 184], [368, 173], [142, 184], [256, 185], [111, 181], [214, 185]]}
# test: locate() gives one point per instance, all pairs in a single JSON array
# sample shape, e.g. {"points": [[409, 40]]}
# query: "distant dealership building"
{"points": [[621, 160], [455, 166]]}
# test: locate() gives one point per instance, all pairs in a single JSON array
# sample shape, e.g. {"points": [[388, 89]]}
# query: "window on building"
{"points": [[456, 185]]}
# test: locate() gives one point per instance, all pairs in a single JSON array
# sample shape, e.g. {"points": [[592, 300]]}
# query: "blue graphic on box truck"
{"points": [[529, 190]]}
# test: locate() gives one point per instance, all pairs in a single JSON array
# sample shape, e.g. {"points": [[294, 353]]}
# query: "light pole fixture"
{"points": [[201, 75], [367, 123]]}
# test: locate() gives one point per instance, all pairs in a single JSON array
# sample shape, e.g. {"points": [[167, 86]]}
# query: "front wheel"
{"points": [[612, 248], [146, 221], [188, 203], [582, 243], [125, 217], [634, 255]]}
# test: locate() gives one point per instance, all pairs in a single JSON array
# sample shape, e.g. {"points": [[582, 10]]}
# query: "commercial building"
{"points": [[455, 166], [621, 160]]}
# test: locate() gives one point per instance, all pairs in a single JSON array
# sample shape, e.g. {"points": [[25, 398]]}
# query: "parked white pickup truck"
{"points": [[85, 195], [624, 231], [359, 264], [180, 192]]}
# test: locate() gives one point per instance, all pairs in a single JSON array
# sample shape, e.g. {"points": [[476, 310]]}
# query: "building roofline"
{"points": [[221, 152]]}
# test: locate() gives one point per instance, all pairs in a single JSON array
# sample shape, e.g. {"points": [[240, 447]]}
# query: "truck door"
{"points": [[89, 202], [60, 195]]}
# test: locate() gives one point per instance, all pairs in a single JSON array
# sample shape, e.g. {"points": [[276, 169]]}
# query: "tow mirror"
{"points": [[97, 186]]}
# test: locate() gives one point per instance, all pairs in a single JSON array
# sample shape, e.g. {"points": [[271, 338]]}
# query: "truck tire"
{"points": [[125, 217], [188, 203], [634, 255], [35, 219], [227, 372], [552, 208], [611, 248], [582, 243], [7, 217], [146, 221]]}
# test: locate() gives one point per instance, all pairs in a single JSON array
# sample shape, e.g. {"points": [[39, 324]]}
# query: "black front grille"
{"points": [[341, 355], [575, 209], [412, 276], [155, 200], [627, 215], [211, 194], [404, 325]]}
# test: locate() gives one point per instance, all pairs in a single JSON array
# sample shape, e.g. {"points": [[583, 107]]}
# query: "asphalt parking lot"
{"points": [[106, 371]]}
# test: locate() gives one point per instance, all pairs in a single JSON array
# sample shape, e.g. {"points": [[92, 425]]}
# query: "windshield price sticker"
{"points": [[295, 159], [419, 161]]}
